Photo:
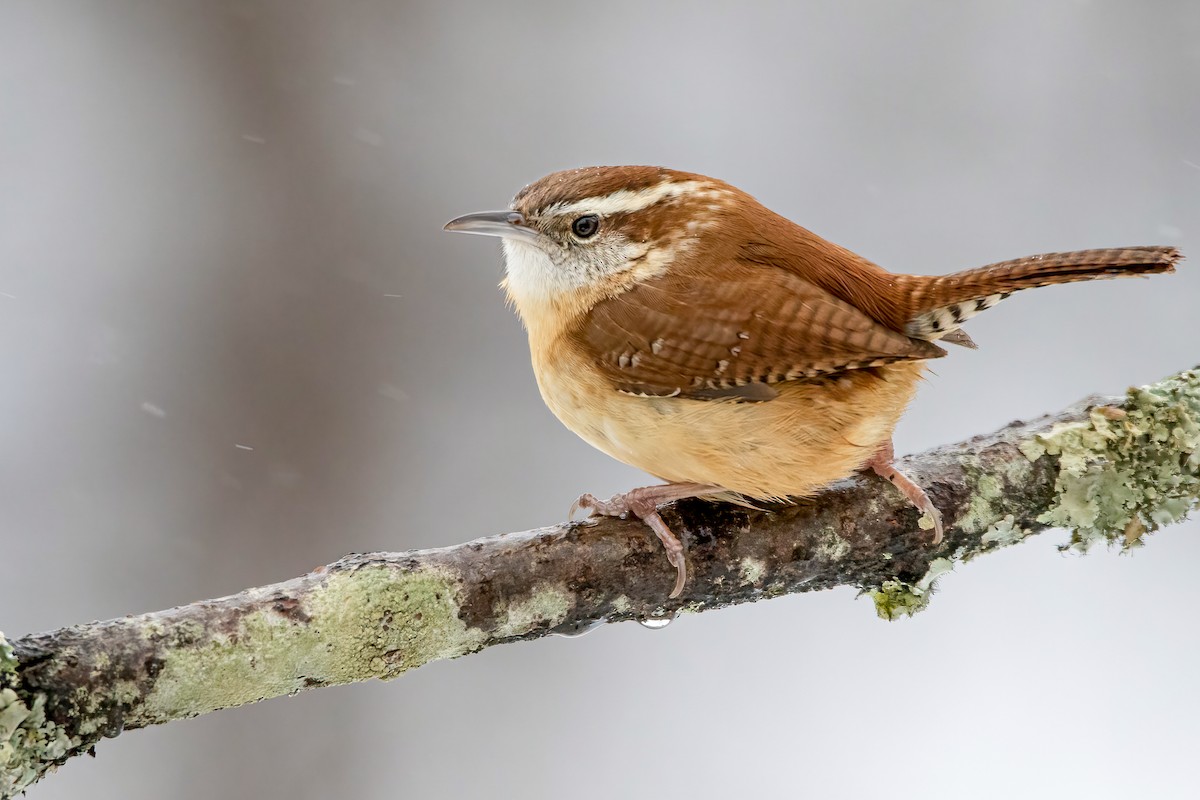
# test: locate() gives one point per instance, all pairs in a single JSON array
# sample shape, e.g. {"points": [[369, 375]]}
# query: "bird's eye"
{"points": [[586, 226]]}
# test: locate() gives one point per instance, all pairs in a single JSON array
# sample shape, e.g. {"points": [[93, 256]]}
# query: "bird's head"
{"points": [[577, 236]]}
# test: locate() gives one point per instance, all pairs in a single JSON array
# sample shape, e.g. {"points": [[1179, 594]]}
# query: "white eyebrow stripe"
{"points": [[626, 201]]}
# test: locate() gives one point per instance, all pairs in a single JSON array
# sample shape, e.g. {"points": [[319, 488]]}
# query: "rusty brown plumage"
{"points": [[961, 295], [691, 332], [733, 332], [765, 301]]}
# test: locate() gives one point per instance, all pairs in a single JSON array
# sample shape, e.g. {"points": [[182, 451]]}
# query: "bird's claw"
{"points": [[616, 506], [882, 465], [585, 501], [643, 504], [931, 519]]}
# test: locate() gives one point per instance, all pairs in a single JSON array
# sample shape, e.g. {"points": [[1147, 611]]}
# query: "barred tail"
{"points": [[939, 305]]}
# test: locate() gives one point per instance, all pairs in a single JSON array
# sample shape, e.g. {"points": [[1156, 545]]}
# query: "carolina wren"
{"points": [[681, 327]]}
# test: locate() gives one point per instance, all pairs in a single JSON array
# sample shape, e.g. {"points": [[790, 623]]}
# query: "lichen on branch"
{"points": [[1128, 469], [29, 743], [1123, 468], [1109, 469]]}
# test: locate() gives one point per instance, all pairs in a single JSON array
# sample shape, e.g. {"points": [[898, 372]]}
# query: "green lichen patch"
{"points": [[376, 621], [1129, 469], [937, 568], [752, 570], [1004, 533], [8, 661], [989, 500], [896, 598], [980, 513], [30, 744], [832, 546], [545, 608]]}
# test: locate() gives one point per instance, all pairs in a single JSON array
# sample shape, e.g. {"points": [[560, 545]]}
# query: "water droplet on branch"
{"points": [[657, 623]]}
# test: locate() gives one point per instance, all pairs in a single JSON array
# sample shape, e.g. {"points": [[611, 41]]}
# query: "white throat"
{"points": [[533, 279]]}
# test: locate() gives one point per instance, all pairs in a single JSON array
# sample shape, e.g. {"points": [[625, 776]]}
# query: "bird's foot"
{"points": [[882, 465], [643, 503]]}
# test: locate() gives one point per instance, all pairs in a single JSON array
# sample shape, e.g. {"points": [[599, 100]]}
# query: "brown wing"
{"points": [[733, 335]]}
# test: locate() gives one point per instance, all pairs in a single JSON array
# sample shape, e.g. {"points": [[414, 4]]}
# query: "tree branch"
{"points": [[1109, 469]]}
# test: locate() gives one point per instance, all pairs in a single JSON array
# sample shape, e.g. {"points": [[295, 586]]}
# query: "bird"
{"points": [[680, 326]]}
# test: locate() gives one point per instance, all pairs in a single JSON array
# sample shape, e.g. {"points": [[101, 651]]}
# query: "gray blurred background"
{"points": [[236, 345]]}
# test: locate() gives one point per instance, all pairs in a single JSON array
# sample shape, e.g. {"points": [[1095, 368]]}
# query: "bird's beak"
{"points": [[505, 224]]}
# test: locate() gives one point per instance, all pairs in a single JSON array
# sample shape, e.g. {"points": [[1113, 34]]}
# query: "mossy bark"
{"points": [[1110, 469]]}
